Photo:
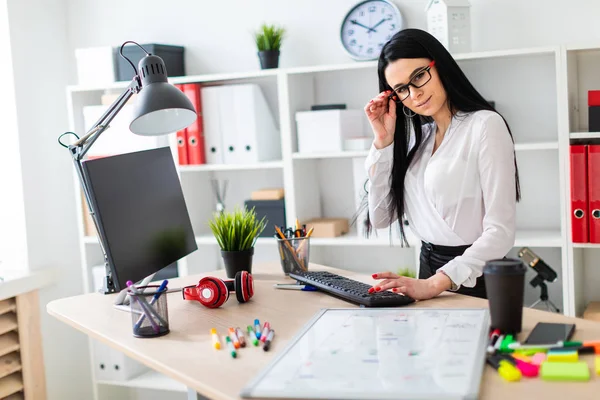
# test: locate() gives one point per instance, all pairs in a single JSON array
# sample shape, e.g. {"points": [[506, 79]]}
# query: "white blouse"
{"points": [[463, 194]]}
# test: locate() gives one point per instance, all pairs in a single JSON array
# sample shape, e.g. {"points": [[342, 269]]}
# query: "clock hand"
{"points": [[355, 22], [377, 24]]}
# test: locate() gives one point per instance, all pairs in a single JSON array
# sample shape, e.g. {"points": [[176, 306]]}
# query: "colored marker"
{"points": [[498, 342], [527, 369], [269, 339], [506, 370], [265, 332], [230, 346], [252, 335], [241, 338], [493, 338], [215, 339], [257, 328], [234, 338]]}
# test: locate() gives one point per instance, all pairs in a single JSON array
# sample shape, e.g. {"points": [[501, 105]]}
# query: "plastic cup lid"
{"points": [[504, 266]]}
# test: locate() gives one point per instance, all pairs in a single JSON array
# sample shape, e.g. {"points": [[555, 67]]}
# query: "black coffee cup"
{"points": [[505, 286]]}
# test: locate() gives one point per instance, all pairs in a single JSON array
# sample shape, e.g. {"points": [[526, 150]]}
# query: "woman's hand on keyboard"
{"points": [[418, 289]]}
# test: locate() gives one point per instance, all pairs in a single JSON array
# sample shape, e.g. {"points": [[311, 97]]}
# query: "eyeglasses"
{"points": [[417, 81]]}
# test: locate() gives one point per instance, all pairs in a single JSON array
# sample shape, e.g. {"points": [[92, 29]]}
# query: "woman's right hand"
{"points": [[381, 112]]}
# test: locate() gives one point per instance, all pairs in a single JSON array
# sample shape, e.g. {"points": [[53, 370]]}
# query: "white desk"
{"points": [[186, 353]]}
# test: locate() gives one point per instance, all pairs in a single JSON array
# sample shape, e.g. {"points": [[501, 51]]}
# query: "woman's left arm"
{"points": [[497, 175]]}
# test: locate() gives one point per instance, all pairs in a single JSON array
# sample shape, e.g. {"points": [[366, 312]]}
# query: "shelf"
{"points": [[7, 305], [9, 343], [586, 245], [341, 154], [231, 167], [584, 135], [10, 385], [536, 146], [9, 364], [210, 240], [149, 380], [538, 238], [8, 322]]}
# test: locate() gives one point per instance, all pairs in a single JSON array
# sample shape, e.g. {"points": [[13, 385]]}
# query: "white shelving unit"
{"points": [[539, 91]]}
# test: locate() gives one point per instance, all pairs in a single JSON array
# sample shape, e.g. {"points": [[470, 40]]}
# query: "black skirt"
{"points": [[434, 257]]}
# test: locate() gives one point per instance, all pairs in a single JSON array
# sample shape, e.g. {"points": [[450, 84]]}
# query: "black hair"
{"points": [[461, 96]]}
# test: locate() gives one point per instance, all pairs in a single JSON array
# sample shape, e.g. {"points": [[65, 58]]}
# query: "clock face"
{"points": [[368, 26]]}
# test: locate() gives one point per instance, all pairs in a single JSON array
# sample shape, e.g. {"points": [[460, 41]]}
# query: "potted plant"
{"points": [[236, 233], [268, 41]]}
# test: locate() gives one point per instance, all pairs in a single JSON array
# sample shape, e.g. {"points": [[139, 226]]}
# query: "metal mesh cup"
{"points": [[149, 312], [294, 254]]}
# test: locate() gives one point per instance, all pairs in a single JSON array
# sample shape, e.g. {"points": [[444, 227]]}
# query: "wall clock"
{"points": [[368, 26]]}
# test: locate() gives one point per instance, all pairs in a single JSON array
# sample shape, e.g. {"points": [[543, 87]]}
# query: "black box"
{"points": [[272, 210], [594, 119], [173, 56]]}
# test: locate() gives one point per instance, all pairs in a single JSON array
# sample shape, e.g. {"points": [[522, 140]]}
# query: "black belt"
{"points": [[446, 250]]}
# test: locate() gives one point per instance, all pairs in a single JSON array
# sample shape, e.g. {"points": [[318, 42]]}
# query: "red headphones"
{"points": [[214, 292]]}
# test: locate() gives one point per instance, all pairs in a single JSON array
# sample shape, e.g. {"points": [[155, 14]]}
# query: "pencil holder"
{"points": [[294, 254], [149, 313]]}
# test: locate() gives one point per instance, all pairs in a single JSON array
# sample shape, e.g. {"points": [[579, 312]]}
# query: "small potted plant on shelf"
{"points": [[236, 233], [268, 41]]}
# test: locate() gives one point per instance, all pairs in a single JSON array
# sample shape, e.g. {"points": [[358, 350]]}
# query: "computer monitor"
{"points": [[141, 212]]}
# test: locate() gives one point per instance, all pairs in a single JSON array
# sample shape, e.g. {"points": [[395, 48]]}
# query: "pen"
{"points": [[162, 287], [215, 339], [144, 306], [252, 335], [230, 346], [294, 286], [240, 336], [493, 338], [267, 344]]}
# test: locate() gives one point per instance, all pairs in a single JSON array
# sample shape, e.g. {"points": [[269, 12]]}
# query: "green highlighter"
{"points": [[252, 335], [565, 371]]}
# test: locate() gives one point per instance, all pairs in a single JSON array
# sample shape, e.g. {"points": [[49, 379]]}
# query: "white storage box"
{"points": [[95, 65], [326, 130]]}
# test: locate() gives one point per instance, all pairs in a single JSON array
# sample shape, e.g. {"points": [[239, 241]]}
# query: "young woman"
{"points": [[443, 158]]}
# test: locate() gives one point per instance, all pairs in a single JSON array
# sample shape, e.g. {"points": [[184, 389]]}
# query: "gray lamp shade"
{"points": [[160, 107]]}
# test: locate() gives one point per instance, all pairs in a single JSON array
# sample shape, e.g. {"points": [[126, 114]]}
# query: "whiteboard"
{"points": [[383, 353]]}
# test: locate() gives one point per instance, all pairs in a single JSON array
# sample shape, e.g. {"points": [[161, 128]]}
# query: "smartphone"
{"points": [[550, 333]]}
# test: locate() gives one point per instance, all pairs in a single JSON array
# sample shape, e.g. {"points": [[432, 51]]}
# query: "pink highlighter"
{"points": [[527, 369]]}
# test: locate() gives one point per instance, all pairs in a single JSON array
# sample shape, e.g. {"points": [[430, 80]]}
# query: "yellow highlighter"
{"points": [[506, 370], [215, 339]]}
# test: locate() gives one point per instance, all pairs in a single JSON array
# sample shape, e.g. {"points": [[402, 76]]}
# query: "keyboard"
{"points": [[350, 289]]}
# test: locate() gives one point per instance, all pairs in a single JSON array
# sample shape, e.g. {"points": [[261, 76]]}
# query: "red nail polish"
{"points": [[394, 290], [374, 275], [370, 290], [377, 288]]}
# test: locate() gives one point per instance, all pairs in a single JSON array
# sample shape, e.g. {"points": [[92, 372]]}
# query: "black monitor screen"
{"points": [[141, 211]]}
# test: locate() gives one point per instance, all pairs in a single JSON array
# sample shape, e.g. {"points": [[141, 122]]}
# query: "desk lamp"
{"points": [[160, 109]]}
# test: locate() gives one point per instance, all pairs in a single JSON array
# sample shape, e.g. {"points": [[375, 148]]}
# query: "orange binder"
{"points": [[195, 132], [579, 193], [182, 151], [593, 175]]}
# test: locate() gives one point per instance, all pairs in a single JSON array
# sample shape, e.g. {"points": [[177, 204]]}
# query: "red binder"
{"points": [[195, 132], [579, 193], [182, 151], [593, 174]]}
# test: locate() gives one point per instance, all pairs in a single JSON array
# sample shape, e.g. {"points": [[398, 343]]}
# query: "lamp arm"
{"points": [[79, 149], [81, 146]]}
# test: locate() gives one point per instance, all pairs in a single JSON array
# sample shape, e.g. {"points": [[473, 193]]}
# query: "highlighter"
{"points": [[527, 369], [265, 332], [234, 338], [505, 369], [257, 328], [240, 336]]}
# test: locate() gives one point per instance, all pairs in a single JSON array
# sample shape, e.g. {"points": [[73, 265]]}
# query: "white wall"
{"points": [[217, 34], [41, 72], [13, 239]]}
